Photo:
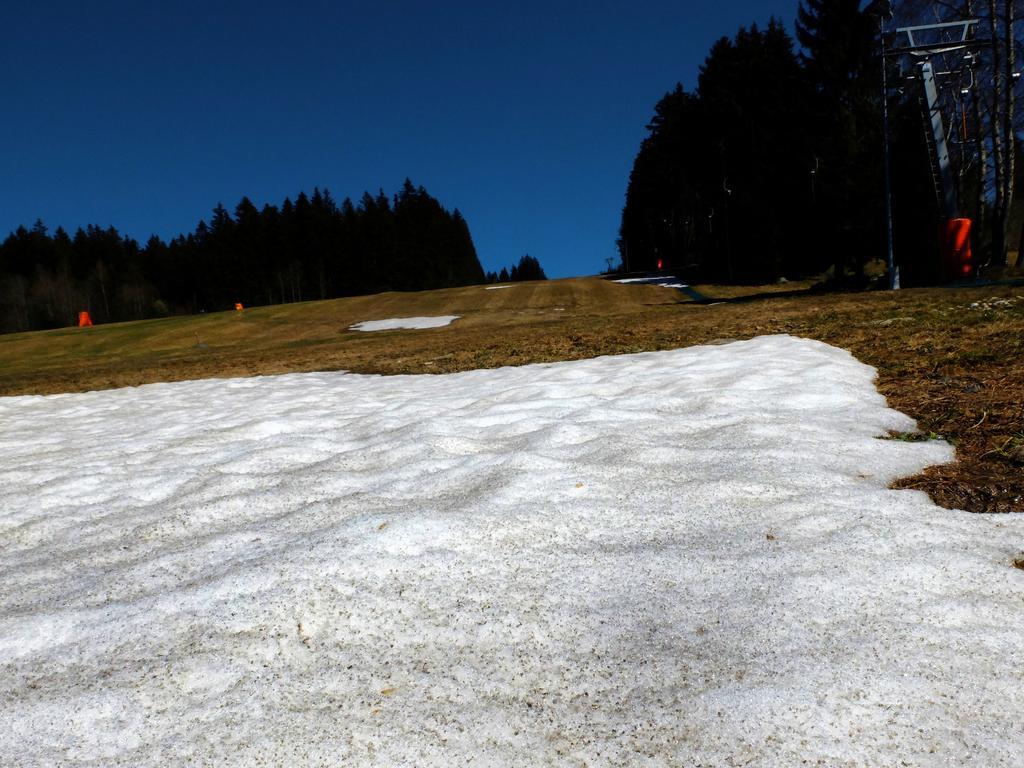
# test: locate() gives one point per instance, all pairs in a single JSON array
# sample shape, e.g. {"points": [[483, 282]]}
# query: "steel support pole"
{"points": [[945, 168], [894, 271]]}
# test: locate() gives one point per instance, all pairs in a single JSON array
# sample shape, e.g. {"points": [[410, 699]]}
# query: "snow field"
{"points": [[673, 558]]}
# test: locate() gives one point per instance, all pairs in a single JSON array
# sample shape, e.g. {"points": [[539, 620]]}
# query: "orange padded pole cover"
{"points": [[955, 247]]}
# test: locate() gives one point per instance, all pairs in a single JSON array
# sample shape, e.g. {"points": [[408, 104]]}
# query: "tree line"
{"points": [[309, 248], [772, 166], [528, 268]]}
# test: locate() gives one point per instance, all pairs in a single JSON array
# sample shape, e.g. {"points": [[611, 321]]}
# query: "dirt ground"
{"points": [[951, 358]]}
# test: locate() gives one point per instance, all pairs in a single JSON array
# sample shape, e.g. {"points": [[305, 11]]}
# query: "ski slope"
{"points": [[673, 558]]}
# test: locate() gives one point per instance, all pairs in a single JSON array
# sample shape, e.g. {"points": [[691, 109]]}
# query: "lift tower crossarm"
{"points": [[964, 25]]}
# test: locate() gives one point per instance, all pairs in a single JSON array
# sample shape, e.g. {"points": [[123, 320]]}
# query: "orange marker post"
{"points": [[238, 306], [84, 320]]}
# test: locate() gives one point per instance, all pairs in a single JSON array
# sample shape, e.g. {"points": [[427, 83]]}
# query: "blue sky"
{"points": [[525, 117]]}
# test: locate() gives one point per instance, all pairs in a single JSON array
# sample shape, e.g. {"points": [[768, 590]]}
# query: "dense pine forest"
{"points": [[772, 166], [309, 248]]}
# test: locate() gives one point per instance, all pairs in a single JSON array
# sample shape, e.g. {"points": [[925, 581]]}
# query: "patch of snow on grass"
{"points": [[665, 281], [671, 558], [496, 287], [396, 323]]}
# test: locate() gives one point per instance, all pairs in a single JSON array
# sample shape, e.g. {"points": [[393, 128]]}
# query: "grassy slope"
{"points": [[959, 370], [306, 336]]}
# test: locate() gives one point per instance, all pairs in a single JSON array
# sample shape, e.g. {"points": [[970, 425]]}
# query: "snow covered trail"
{"points": [[673, 558]]}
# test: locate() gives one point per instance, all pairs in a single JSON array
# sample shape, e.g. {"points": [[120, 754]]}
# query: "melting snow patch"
{"points": [[396, 323], [496, 287], [665, 281], [672, 558]]}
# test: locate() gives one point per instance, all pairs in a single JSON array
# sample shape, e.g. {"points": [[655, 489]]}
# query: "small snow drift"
{"points": [[496, 287], [673, 558], [397, 323]]}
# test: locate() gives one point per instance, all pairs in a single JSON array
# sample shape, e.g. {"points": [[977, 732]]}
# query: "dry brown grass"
{"points": [[957, 369], [737, 291]]}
